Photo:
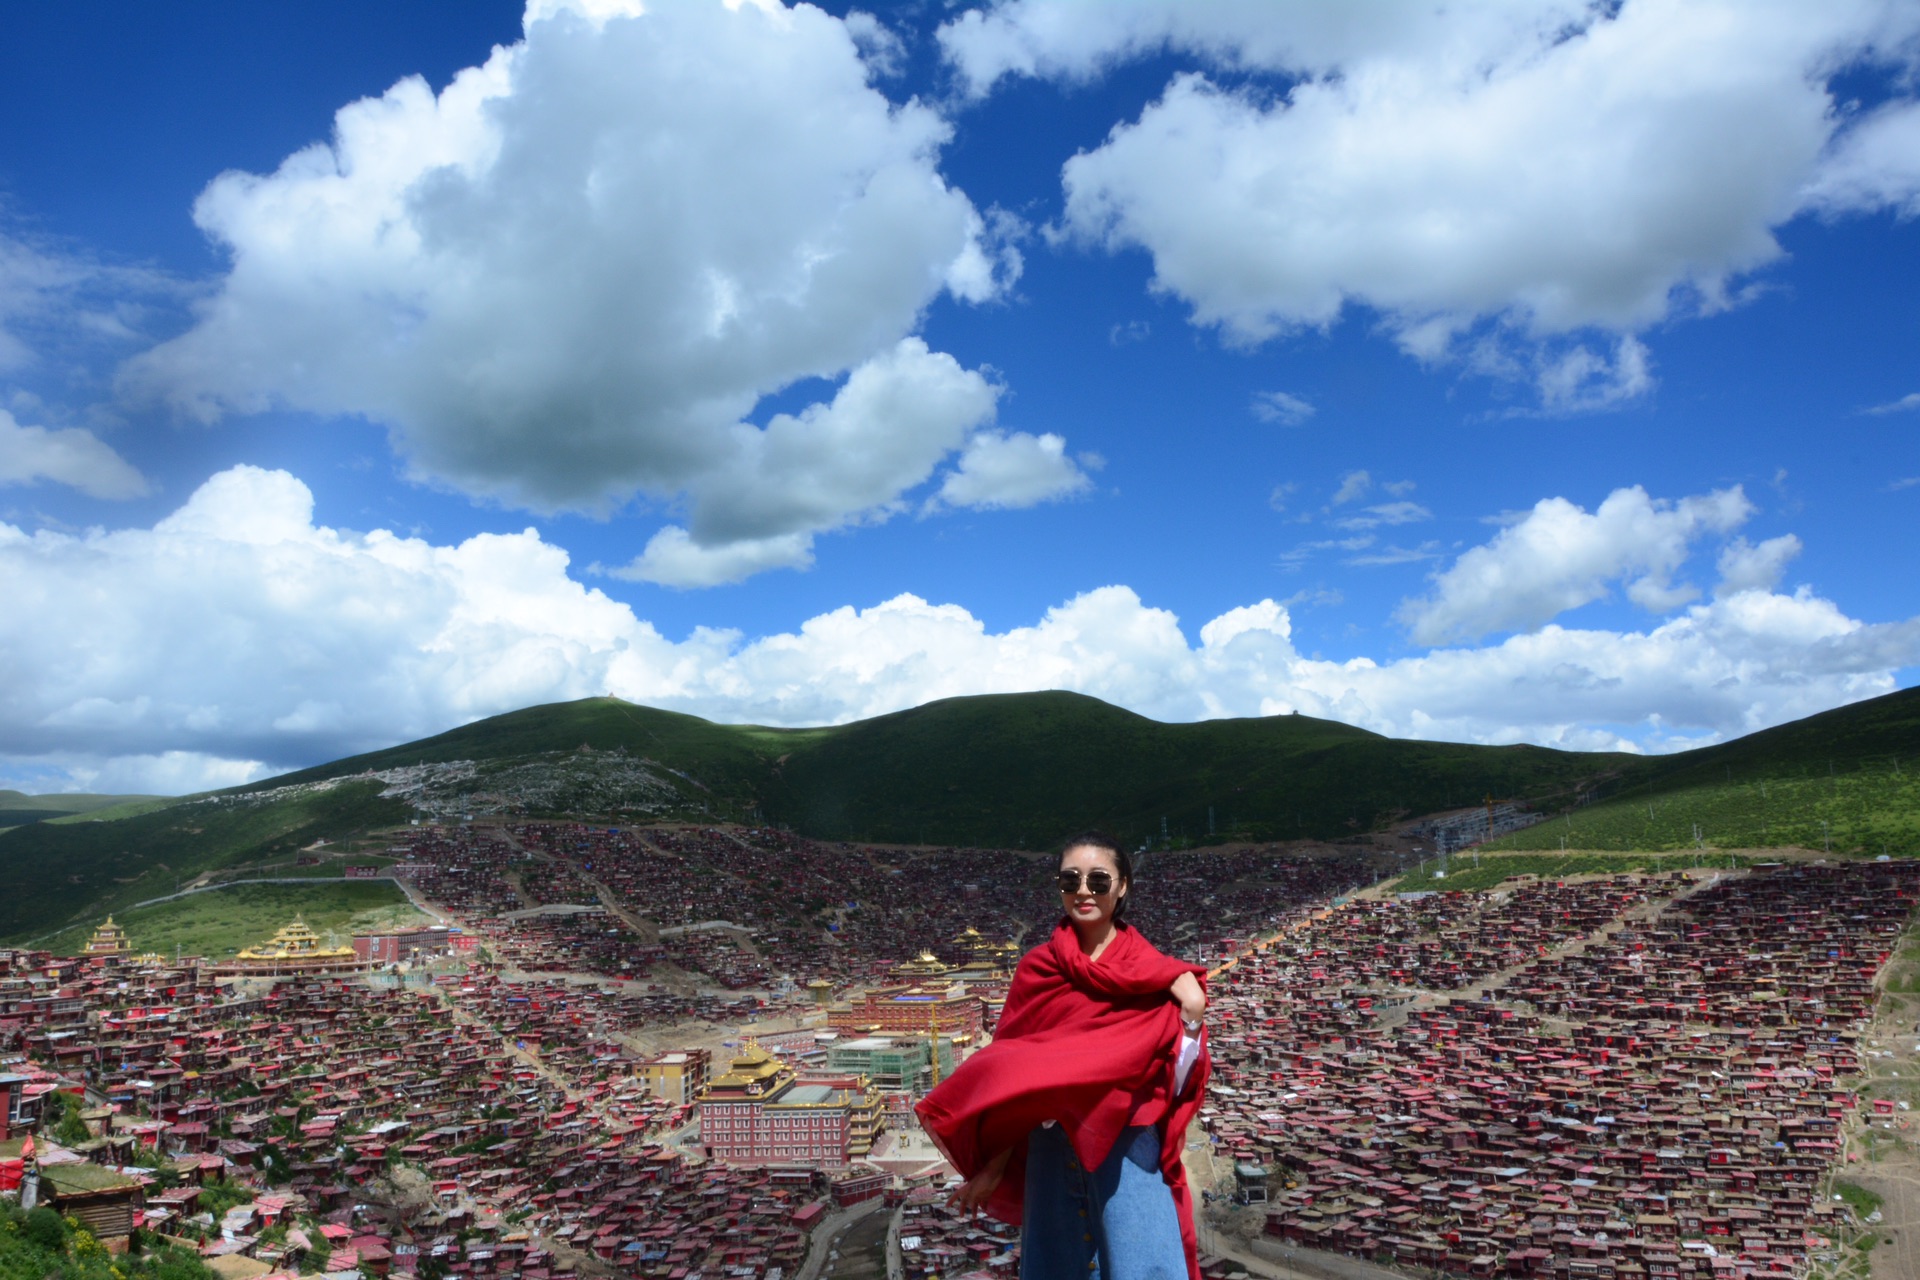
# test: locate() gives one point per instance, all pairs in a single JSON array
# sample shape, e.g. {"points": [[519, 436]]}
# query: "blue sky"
{"points": [[1529, 372]]}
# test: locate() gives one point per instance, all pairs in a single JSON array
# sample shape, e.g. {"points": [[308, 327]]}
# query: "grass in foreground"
{"points": [[218, 922], [39, 1244]]}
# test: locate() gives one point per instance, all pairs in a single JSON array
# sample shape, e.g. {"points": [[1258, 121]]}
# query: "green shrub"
{"points": [[70, 1128], [45, 1229]]}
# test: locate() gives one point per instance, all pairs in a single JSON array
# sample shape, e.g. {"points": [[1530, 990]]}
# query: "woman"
{"points": [[1072, 1122]]}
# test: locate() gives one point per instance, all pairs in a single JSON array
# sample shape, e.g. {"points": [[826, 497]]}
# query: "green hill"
{"points": [[725, 758], [1846, 780], [1008, 770], [1031, 768], [57, 874], [17, 809]]}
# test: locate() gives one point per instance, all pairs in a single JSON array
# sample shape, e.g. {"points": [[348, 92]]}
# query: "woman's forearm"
{"points": [[976, 1191]]}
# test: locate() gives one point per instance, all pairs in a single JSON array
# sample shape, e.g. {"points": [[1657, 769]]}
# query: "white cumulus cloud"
{"points": [[570, 276], [1747, 567], [1537, 168], [237, 637], [672, 558], [235, 629], [758, 505], [1875, 164], [1012, 470], [1559, 556], [69, 456], [1078, 39], [1580, 381]]}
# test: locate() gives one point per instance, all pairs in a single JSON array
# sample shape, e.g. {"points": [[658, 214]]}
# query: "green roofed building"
{"points": [[905, 1063], [102, 1200]]}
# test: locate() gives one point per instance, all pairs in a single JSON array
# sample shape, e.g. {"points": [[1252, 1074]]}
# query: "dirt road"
{"points": [[847, 1244], [861, 1251]]}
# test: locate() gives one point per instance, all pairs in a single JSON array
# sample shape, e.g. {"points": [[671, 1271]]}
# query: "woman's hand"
{"points": [[1192, 1000], [974, 1192]]}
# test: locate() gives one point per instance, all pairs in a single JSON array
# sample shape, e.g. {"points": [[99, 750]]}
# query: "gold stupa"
{"points": [[109, 940]]}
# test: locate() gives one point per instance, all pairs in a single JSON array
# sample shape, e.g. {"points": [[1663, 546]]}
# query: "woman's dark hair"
{"points": [[1095, 838]]}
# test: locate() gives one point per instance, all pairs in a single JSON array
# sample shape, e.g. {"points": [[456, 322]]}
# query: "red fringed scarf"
{"points": [[1089, 1044]]}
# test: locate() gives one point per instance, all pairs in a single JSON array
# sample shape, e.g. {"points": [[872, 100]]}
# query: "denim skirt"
{"points": [[1116, 1222]]}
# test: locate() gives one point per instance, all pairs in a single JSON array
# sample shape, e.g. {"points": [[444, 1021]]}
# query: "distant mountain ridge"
{"points": [[17, 808], [1006, 770], [1027, 768], [975, 769]]}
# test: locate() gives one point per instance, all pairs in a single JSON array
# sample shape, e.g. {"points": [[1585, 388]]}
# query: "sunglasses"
{"points": [[1098, 881]]}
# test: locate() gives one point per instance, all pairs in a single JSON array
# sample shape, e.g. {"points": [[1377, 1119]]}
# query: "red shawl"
{"points": [[1088, 1044]]}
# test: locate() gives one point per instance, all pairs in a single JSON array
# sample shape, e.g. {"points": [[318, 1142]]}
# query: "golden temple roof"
{"points": [[753, 1070], [296, 941], [109, 940], [925, 963]]}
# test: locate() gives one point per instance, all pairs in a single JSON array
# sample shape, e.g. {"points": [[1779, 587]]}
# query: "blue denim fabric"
{"points": [[1116, 1223]]}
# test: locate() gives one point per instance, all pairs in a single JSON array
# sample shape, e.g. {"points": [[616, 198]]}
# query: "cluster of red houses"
{"points": [[543, 916], [936, 1241], [1659, 1102], [820, 910], [509, 1101], [1630, 1078]]}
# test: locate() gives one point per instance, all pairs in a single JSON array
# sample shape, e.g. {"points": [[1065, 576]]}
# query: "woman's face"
{"points": [[1083, 906]]}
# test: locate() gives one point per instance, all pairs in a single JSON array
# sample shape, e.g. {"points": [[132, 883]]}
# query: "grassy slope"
{"points": [[129, 807], [221, 921], [1857, 769], [730, 759], [61, 874], [17, 808], [61, 802], [1865, 809]]}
